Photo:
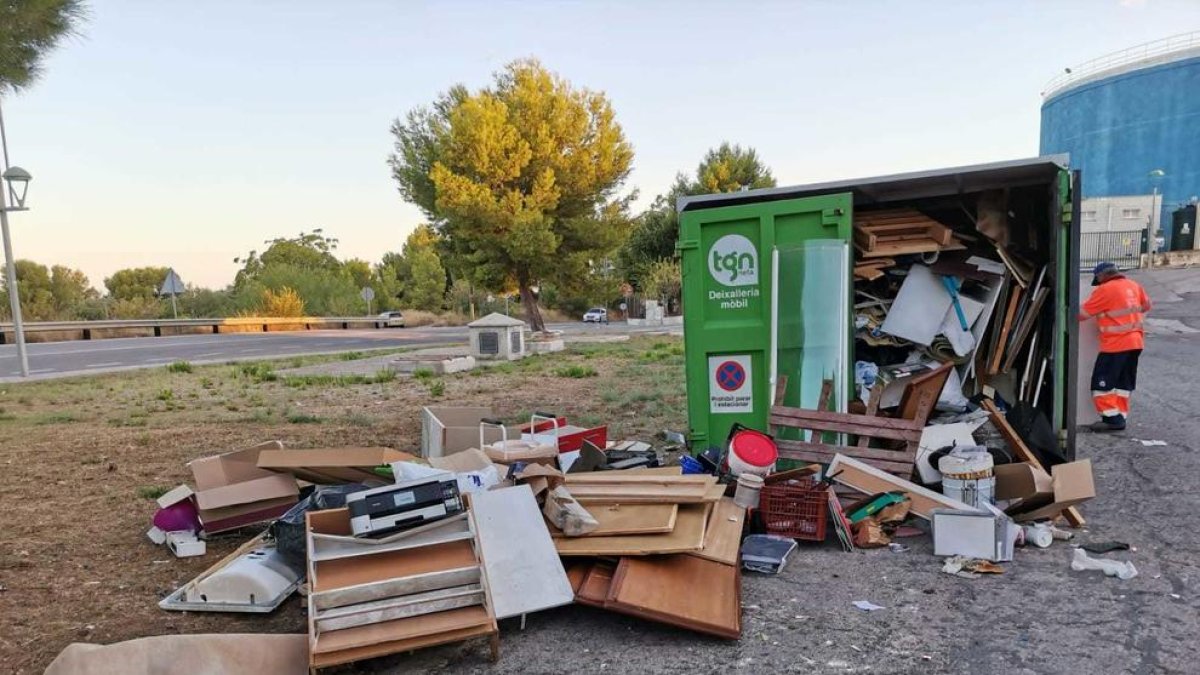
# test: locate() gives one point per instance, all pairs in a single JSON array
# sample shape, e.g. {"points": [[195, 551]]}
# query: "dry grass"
{"points": [[82, 459]]}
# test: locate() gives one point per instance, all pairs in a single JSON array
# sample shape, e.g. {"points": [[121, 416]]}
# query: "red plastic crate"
{"points": [[796, 509]]}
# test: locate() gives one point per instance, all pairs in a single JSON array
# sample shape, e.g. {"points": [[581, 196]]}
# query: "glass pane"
{"points": [[814, 328]]}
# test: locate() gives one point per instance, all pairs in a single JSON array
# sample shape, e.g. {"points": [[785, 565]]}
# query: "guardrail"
{"points": [[1158, 51], [62, 331]]}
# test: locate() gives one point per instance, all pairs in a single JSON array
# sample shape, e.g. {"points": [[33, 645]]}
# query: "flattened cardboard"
{"points": [[471, 459], [1041, 496], [175, 496], [330, 466]]}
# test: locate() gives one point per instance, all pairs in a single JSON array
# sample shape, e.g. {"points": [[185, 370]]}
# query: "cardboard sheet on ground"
{"points": [[202, 654], [523, 569]]}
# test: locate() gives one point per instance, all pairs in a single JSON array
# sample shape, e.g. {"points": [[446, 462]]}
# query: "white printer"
{"points": [[404, 505]]}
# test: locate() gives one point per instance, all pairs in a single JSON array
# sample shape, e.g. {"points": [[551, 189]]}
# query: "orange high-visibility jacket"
{"points": [[1119, 306]]}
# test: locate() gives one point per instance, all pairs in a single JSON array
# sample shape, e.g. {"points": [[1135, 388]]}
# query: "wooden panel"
{"points": [[333, 549], [829, 450], [869, 480], [688, 535], [402, 629], [399, 608], [345, 572], [518, 554], [902, 469], [723, 533], [388, 588], [395, 647], [862, 425], [680, 590], [596, 584], [639, 494], [1023, 453], [629, 519], [621, 478]]}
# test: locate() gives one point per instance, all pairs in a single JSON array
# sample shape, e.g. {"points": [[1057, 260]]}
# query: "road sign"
{"points": [[172, 284], [367, 293], [623, 306]]}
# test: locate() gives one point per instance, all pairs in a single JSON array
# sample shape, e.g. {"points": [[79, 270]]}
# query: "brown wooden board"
{"points": [[870, 480], [639, 494], [596, 584], [680, 590], [688, 535], [1014, 300], [1023, 453], [723, 533], [398, 646], [402, 629], [892, 461], [344, 572], [617, 519]]}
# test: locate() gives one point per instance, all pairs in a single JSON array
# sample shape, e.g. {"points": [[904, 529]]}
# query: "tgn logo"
{"points": [[733, 261]]}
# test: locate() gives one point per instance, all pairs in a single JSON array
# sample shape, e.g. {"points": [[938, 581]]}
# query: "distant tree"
{"points": [[308, 250], [136, 282], [662, 281], [426, 288], [285, 303], [70, 289], [204, 303], [521, 177], [37, 295], [30, 29], [725, 168], [359, 272]]}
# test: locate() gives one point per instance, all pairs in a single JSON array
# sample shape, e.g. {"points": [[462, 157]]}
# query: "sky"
{"points": [[186, 134]]}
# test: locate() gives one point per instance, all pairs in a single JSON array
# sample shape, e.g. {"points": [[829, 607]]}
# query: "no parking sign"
{"points": [[730, 386]]}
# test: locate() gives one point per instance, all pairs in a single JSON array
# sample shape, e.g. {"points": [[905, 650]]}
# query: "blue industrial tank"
{"points": [[1131, 122]]}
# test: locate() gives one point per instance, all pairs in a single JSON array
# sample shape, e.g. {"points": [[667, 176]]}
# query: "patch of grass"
{"points": [[294, 417], [258, 371], [352, 356], [207, 383], [296, 363], [165, 395], [143, 440], [357, 419], [437, 388], [478, 372], [383, 375], [152, 491], [179, 367], [422, 374], [301, 381], [577, 372], [62, 417]]}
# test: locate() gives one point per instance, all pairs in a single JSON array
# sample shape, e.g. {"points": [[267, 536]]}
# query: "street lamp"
{"points": [[1155, 225], [18, 184]]}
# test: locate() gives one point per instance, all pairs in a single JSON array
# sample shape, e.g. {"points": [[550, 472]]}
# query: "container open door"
{"points": [[727, 255]]}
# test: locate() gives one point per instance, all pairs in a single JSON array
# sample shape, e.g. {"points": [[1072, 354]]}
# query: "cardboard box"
{"points": [[332, 466], [1039, 496], [446, 430], [232, 491]]}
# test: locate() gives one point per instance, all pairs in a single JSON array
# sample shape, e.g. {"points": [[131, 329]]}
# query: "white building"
{"points": [[1120, 214]]}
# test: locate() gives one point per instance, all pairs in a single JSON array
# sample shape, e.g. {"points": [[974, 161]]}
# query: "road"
{"points": [[63, 359]]}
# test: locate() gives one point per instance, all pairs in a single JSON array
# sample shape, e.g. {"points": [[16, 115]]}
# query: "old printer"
{"points": [[402, 506]]}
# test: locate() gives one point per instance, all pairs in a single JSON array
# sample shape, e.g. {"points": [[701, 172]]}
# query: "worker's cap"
{"points": [[1102, 268]]}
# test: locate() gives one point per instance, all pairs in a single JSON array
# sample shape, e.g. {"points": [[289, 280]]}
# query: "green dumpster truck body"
{"points": [[736, 247]]}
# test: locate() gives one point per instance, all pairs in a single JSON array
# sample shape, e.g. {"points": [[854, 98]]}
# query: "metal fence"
{"points": [[1125, 248]]}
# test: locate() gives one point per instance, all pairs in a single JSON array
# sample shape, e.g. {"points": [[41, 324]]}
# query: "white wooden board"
{"points": [[522, 566], [919, 308]]}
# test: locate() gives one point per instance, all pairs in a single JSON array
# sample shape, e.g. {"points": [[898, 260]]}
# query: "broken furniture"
{"points": [[369, 598], [894, 232], [905, 430], [870, 480]]}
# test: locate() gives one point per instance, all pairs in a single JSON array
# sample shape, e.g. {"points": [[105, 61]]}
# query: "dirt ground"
{"points": [[82, 460]]}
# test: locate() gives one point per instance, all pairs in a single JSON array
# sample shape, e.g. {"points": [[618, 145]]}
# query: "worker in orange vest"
{"points": [[1119, 306]]}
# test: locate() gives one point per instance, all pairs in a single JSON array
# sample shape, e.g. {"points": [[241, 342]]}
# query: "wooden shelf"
{"points": [[344, 572], [402, 629]]}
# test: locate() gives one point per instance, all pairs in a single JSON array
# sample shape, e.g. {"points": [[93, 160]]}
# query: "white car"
{"points": [[596, 314], [392, 319]]}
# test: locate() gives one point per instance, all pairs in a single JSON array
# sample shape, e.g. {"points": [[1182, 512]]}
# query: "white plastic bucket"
{"points": [[749, 486], [967, 476]]}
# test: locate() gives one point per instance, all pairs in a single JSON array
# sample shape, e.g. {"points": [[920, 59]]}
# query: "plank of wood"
{"points": [[344, 572], [518, 554], [576, 572], [1014, 299], [869, 480], [401, 629], [723, 533], [859, 425], [342, 656], [867, 273], [331, 547], [655, 471], [688, 535], [399, 608], [622, 478], [588, 494], [899, 462], [390, 588], [681, 590], [1022, 451], [715, 492], [615, 519], [1023, 330]]}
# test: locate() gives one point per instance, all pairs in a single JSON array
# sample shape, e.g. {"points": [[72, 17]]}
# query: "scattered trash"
{"points": [[897, 548], [1151, 443], [867, 606], [766, 553], [970, 568], [1113, 568]]}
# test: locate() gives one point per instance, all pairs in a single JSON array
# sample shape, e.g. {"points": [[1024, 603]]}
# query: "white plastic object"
{"points": [[156, 535], [1114, 568], [184, 544]]}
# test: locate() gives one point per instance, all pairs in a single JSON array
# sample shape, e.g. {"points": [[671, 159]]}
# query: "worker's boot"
{"points": [[1108, 424]]}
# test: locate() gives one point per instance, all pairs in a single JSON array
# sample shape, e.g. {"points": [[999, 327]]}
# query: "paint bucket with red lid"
{"points": [[751, 452]]}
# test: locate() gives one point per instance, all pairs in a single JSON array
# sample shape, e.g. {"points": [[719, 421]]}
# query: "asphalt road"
{"points": [[62, 359]]}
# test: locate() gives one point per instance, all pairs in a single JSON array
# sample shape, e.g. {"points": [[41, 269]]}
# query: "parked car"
{"points": [[596, 314], [392, 319]]}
